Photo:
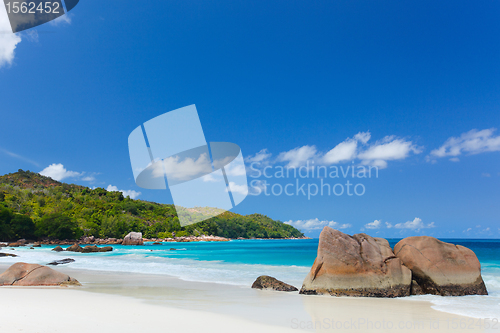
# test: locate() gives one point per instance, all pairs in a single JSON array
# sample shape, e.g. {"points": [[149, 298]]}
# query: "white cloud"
{"points": [[416, 224], [363, 137], [373, 225], [8, 40], [472, 142], [90, 177], [258, 161], [388, 225], [64, 19], [388, 149], [298, 156], [242, 189], [485, 174], [260, 157], [235, 168], [186, 169], [210, 178], [344, 151], [381, 164], [316, 224], [127, 193], [58, 172]]}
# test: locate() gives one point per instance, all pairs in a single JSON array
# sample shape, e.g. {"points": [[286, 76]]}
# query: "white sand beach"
{"points": [[113, 302]]}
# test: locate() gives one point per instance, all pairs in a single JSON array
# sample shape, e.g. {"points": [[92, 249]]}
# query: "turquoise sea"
{"points": [[239, 262]]}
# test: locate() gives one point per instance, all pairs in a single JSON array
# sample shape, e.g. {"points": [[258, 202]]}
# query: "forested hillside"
{"points": [[34, 206]]}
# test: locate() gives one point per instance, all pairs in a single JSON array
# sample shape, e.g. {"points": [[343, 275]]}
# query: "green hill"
{"points": [[34, 206]]}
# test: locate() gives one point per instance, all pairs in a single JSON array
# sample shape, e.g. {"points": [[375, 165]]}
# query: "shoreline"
{"points": [[159, 277], [119, 241], [145, 297]]}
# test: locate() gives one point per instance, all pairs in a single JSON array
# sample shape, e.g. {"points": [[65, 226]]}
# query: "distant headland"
{"points": [[40, 208]]}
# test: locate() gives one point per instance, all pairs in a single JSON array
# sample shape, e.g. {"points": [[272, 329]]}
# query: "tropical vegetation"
{"points": [[33, 206]]}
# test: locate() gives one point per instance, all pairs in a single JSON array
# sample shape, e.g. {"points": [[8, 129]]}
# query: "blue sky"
{"points": [[288, 82]]}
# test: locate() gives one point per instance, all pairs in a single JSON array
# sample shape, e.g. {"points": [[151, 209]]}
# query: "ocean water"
{"points": [[239, 262]]}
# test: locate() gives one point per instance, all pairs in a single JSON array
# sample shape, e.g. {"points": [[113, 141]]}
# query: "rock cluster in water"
{"points": [[88, 248]]}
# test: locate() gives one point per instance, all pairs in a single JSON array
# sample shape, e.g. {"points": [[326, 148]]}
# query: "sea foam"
{"points": [[239, 263]]}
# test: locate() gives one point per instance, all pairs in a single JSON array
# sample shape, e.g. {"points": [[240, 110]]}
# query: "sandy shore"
{"points": [[112, 302], [59, 310]]}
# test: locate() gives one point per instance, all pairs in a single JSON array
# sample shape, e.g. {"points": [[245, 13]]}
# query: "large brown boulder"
{"points": [[133, 238], [269, 283], [22, 274], [357, 265], [75, 248], [441, 268]]}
